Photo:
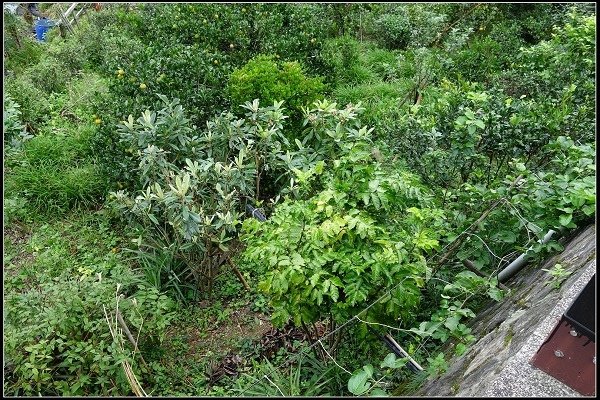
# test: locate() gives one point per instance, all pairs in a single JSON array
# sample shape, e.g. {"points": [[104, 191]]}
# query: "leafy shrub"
{"points": [[341, 57], [268, 80], [564, 193], [380, 99], [290, 30], [229, 156], [187, 71], [49, 75], [33, 102], [536, 21], [392, 30], [466, 134], [425, 23], [334, 252], [20, 49], [558, 195], [98, 39], [506, 33], [11, 122], [566, 58], [70, 50], [187, 51], [480, 59], [57, 341]]}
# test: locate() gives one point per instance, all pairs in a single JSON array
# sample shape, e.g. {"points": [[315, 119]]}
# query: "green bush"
{"points": [[426, 21], [266, 79], [35, 108], [331, 254], [192, 187], [20, 48], [57, 340], [49, 75], [293, 31], [480, 60], [71, 51], [11, 122], [381, 99], [392, 30], [341, 57], [560, 74]]}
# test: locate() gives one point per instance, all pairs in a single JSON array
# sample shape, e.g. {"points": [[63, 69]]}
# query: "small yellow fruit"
{"points": [[216, 16], [205, 21], [231, 45], [142, 86], [97, 121], [120, 72], [216, 61], [243, 10], [313, 40], [115, 250]]}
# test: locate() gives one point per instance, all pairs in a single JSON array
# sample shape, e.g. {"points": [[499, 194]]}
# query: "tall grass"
{"points": [[56, 172]]}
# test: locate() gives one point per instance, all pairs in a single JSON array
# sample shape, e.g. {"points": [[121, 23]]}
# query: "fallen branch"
{"points": [[447, 29], [136, 387], [238, 273], [129, 335], [458, 241], [471, 267]]}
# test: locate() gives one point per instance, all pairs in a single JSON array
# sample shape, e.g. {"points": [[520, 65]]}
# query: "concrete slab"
{"points": [[510, 332], [518, 378]]}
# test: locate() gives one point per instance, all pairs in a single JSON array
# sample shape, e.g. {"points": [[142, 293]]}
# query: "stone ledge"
{"points": [[509, 333]]}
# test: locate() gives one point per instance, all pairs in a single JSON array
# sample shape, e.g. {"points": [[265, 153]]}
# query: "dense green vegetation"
{"points": [[386, 144]]}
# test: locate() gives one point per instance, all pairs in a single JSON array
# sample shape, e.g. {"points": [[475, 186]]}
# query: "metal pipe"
{"points": [[256, 213], [70, 9], [413, 365], [518, 263]]}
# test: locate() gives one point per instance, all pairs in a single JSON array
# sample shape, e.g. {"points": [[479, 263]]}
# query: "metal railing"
{"points": [[76, 10]]}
